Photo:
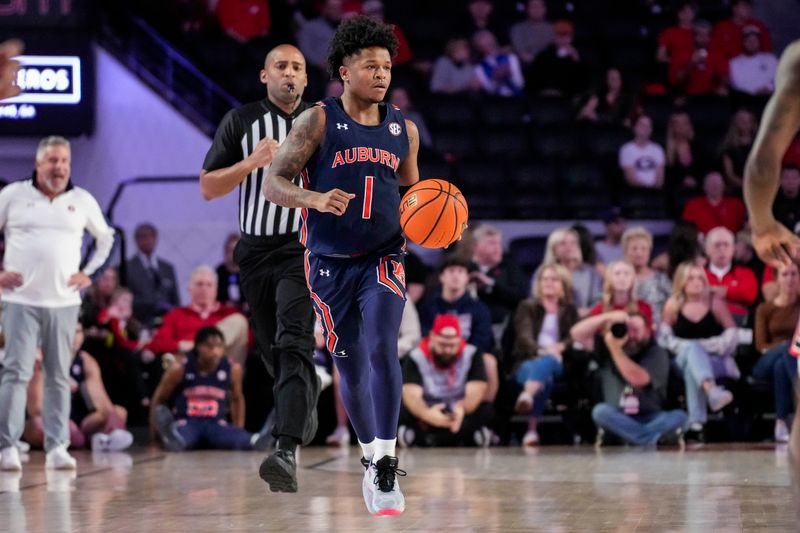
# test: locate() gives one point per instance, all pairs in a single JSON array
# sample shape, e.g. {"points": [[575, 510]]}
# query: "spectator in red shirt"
{"points": [[736, 284], [117, 317], [792, 155], [244, 19], [619, 295], [727, 36], [676, 43], [704, 71], [177, 332], [714, 209]]}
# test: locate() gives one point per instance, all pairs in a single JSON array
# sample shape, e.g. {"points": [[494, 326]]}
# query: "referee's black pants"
{"points": [[272, 280]]}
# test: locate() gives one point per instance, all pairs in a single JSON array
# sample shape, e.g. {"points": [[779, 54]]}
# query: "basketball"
{"points": [[433, 213]]}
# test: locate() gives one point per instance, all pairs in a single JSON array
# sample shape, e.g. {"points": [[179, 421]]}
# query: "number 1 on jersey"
{"points": [[367, 209]]}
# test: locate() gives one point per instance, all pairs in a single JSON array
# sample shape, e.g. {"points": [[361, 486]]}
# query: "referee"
{"points": [[269, 254]]}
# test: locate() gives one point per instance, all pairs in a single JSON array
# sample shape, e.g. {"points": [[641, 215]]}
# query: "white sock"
{"points": [[368, 449], [385, 447]]}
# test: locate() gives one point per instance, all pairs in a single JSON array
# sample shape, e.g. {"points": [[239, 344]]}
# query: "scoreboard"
{"points": [[57, 68]]}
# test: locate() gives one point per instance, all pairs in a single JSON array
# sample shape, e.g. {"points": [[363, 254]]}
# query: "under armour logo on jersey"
{"points": [[340, 126], [341, 353], [324, 272]]}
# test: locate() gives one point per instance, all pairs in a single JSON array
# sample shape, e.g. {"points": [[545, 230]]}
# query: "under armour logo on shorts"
{"points": [[340, 126], [323, 272], [341, 353]]}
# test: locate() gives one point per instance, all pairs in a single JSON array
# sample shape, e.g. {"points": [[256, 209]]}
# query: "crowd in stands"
{"points": [[537, 109], [613, 342], [627, 103]]}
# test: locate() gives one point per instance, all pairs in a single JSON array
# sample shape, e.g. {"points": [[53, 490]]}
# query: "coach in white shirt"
{"points": [[44, 219]]}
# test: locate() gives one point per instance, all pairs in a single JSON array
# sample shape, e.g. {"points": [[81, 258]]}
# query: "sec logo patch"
{"points": [[395, 129]]}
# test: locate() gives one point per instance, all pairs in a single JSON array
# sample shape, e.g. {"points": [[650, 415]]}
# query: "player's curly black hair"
{"points": [[356, 34]]}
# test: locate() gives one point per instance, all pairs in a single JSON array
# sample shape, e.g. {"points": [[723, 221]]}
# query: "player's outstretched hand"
{"points": [[9, 67], [264, 152], [334, 201], [776, 245]]}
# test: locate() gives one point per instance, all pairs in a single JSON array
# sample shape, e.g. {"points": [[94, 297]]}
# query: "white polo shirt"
{"points": [[44, 239]]}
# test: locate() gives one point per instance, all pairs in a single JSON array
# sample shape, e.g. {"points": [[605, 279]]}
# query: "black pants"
{"points": [[430, 436], [272, 279]]}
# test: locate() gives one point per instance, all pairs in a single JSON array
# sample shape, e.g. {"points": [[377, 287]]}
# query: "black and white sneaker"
{"points": [[381, 490], [279, 470]]}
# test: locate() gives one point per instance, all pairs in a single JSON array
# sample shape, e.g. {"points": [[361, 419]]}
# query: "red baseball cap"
{"points": [[447, 325]]}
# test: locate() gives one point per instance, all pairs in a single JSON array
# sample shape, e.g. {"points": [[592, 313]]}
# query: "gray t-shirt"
{"points": [[447, 77], [653, 359], [609, 252], [529, 38]]}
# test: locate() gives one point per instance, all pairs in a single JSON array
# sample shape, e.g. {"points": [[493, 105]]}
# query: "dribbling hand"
{"points": [[9, 68], [334, 201], [776, 245]]}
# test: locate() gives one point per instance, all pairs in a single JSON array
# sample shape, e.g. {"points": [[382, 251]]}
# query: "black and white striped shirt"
{"points": [[238, 134]]}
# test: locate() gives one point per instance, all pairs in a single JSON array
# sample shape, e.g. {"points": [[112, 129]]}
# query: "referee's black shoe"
{"points": [[279, 470]]}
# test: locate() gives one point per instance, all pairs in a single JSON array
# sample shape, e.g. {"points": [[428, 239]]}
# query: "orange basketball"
{"points": [[433, 213]]}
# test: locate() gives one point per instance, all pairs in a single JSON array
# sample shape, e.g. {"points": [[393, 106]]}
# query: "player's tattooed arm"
{"points": [[409, 171], [303, 140], [779, 125]]}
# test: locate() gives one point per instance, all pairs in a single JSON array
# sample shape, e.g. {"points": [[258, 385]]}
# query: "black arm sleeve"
{"points": [[411, 374], [226, 150], [477, 370]]}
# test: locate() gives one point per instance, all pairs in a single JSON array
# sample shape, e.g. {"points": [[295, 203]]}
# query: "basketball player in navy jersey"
{"points": [[780, 123], [209, 388], [354, 152]]}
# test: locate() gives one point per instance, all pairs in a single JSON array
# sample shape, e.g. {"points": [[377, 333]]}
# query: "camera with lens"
{"points": [[619, 330]]}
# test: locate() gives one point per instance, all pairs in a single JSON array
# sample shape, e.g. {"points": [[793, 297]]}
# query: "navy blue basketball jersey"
{"points": [[362, 160], [204, 396]]}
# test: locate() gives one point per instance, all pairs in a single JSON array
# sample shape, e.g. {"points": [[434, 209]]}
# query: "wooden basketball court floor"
{"points": [[558, 489]]}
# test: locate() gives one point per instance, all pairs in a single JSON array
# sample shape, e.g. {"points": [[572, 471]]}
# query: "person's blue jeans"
{"points": [[545, 369], [695, 363], [785, 376], [779, 369], [637, 429]]}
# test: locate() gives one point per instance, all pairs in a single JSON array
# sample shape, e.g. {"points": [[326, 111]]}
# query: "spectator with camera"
{"points": [[633, 375]]}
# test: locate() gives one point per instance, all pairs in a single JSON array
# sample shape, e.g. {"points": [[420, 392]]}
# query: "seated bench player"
{"points": [[207, 387]]}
